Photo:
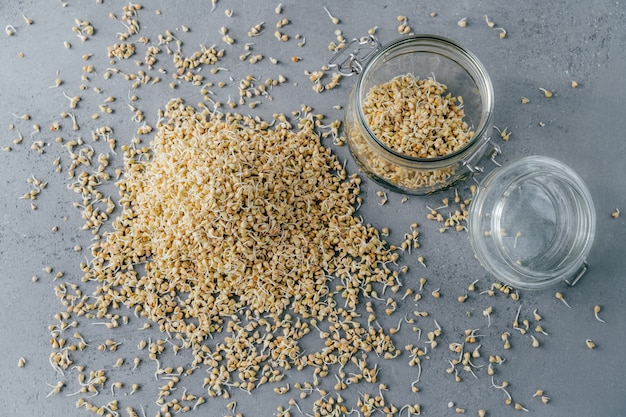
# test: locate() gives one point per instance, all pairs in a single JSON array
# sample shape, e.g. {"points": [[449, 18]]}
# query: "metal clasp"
{"points": [[352, 63], [476, 169], [571, 282]]}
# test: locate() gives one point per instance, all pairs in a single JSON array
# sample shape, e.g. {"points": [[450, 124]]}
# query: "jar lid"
{"points": [[532, 223]]}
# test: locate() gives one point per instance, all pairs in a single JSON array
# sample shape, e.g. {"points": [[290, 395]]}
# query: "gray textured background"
{"points": [[548, 44]]}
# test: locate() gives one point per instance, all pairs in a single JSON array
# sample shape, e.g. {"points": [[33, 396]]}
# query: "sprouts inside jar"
{"points": [[415, 117]]}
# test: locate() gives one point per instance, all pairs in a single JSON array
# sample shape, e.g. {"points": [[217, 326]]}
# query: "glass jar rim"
{"points": [[485, 123]]}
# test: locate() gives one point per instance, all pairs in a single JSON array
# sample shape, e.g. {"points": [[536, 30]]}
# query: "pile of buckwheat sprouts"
{"points": [[415, 117], [233, 217]]}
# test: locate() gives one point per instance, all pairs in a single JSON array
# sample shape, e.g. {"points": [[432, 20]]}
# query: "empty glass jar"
{"points": [[532, 223]]}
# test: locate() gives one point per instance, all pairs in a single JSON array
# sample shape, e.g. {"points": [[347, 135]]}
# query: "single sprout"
{"points": [[536, 315], [476, 352], [116, 386], [462, 23], [333, 19], [74, 122], [615, 214], [545, 399], [590, 344], [422, 283], [457, 377], [487, 313], [519, 407], [502, 33], [490, 293], [559, 296], [490, 23], [420, 260], [525, 100], [546, 93], [25, 116], [57, 82], [596, 310]]}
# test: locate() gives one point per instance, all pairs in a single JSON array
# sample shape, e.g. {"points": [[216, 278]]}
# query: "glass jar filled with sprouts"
{"points": [[420, 114]]}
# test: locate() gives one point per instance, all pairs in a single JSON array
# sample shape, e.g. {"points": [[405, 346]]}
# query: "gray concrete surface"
{"points": [[548, 44]]}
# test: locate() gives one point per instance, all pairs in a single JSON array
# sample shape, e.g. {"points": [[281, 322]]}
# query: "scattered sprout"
{"points": [[333, 19], [596, 311], [559, 296], [546, 93], [615, 214]]}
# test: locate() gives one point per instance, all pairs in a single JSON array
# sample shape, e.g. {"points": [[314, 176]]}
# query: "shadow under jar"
{"points": [[422, 56]]}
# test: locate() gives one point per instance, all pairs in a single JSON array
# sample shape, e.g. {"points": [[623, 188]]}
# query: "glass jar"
{"points": [[422, 56], [532, 222]]}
